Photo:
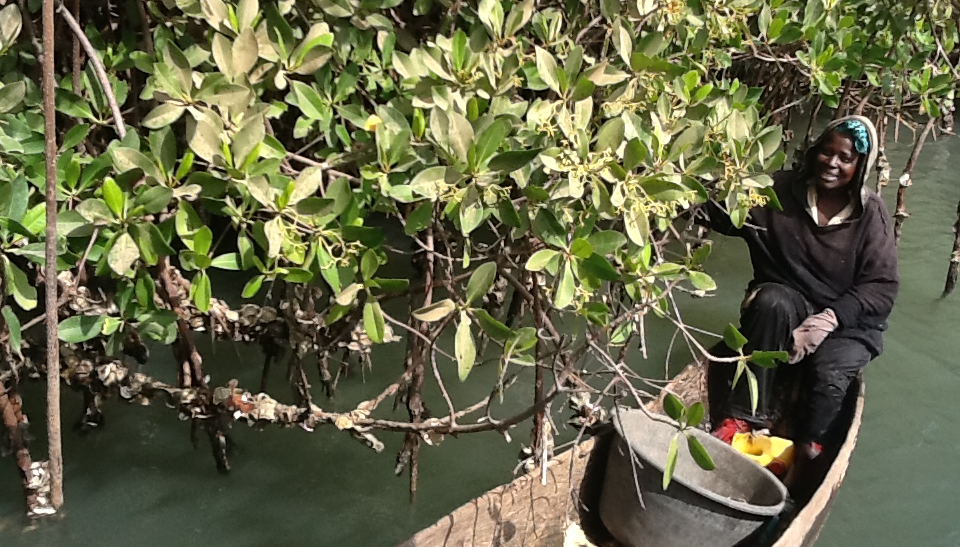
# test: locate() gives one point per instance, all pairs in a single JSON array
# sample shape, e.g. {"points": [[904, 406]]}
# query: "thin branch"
{"points": [[97, 66], [417, 333]]}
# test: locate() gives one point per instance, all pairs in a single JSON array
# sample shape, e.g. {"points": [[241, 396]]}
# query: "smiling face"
{"points": [[836, 161]]}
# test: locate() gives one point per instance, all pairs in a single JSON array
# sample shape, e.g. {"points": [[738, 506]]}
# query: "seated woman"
{"points": [[825, 281]]}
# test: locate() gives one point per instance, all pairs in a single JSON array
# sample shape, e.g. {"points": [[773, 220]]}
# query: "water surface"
{"points": [[139, 481]]}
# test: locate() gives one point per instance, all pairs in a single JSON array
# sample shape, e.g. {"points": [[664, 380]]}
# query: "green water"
{"points": [[140, 482]]}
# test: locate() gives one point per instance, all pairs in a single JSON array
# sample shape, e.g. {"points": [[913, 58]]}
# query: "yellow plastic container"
{"points": [[764, 450]]}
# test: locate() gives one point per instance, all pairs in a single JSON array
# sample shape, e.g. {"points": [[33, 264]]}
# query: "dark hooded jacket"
{"points": [[849, 267]]}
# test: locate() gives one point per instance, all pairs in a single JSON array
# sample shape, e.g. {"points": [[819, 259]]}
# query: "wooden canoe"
{"points": [[527, 513]]}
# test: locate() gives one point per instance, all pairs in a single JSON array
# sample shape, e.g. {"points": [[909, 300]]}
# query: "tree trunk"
{"points": [[50, 268]]}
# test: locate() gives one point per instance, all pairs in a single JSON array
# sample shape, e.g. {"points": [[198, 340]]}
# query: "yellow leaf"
{"points": [[372, 123]]}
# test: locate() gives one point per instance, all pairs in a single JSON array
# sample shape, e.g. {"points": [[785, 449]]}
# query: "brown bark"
{"points": [[883, 164], [811, 125], [14, 422], [50, 269], [416, 367], [954, 268], [841, 109], [190, 364], [901, 213], [537, 435], [190, 372], [77, 52]]}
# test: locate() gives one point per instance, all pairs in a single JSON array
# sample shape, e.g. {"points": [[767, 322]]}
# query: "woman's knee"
{"points": [[768, 297]]}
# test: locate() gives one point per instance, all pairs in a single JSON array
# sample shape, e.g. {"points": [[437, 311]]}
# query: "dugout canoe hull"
{"points": [[527, 513]]}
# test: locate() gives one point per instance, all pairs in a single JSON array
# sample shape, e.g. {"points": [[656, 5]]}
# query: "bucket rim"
{"points": [[710, 441]]}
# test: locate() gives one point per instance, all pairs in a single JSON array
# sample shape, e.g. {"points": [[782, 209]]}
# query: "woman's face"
{"points": [[836, 161]]}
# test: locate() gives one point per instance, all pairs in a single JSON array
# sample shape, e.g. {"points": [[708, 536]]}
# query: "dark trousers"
{"points": [[768, 316]]}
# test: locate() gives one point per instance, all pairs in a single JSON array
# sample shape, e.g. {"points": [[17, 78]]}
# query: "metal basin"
{"points": [[700, 508]]}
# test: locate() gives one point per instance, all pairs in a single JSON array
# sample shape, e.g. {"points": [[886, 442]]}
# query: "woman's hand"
{"points": [[811, 333]]}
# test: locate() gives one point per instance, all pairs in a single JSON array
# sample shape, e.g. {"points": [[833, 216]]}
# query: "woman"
{"points": [[825, 281]]}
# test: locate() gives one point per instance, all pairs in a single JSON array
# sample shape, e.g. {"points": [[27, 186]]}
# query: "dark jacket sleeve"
{"points": [[869, 302]]}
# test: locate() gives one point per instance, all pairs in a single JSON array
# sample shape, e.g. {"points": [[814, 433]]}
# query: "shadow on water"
{"points": [[139, 481]]}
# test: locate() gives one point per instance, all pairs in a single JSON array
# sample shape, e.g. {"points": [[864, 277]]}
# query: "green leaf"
{"points": [[370, 236], [419, 219], [465, 349], [252, 287], [598, 266], [229, 261], [733, 338], [699, 453], [128, 159], [80, 328], [154, 199], [273, 231], [547, 68], [513, 159], [769, 359], [754, 391], [349, 295], [373, 321], [202, 241], [489, 142], [702, 281], [123, 254], [436, 311], [245, 52], [606, 242], [369, 263], [145, 290], [427, 182], [581, 248], [671, 464], [673, 406], [391, 285], [13, 327], [200, 291], [306, 185], [771, 195], [481, 281], [695, 414], [113, 196], [565, 288], [491, 14], [494, 329], [11, 22], [519, 16], [524, 339], [247, 141], [163, 115], [460, 135], [539, 260], [11, 95], [471, 210], [72, 105], [610, 135], [24, 292], [634, 154]]}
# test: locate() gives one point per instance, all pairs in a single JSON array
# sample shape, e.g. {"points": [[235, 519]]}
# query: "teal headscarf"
{"points": [[855, 129]]}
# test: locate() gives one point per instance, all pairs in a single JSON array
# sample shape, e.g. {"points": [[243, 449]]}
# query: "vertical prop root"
{"points": [[15, 424], [190, 369], [901, 213], [55, 452], [954, 268]]}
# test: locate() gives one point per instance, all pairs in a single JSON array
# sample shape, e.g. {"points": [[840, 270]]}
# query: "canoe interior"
{"points": [[527, 513]]}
